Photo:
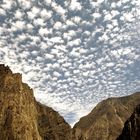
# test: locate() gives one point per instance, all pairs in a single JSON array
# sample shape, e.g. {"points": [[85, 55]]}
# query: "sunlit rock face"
{"points": [[73, 53], [106, 120], [21, 117], [18, 114], [131, 130]]}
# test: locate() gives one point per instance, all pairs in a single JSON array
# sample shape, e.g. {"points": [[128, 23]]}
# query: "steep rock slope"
{"points": [[106, 120], [21, 117], [131, 130], [51, 125]]}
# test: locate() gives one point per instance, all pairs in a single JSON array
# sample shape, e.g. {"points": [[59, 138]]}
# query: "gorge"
{"points": [[23, 118]]}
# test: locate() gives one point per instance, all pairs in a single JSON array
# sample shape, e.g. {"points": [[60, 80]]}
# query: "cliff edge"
{"points": [[21, 117]]}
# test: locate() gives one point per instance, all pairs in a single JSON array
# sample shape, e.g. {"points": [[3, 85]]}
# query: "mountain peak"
{"points": [[106, 120], [4, 69], [10, 80]]}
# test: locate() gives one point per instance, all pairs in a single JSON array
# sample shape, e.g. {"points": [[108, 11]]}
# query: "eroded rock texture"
{"points": [[131, 130], [21, 117], [106, 120]]}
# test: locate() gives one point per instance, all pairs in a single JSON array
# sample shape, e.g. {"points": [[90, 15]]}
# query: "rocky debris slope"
{"points": [[106, 120], [21, 117], [131, 130]]}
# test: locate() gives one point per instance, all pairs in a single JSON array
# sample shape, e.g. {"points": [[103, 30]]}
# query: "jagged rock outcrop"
{"points": [[106, 120], [21, 117], [131, 130]]}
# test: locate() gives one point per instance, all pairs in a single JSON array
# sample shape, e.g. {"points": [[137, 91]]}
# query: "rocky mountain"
{"points": [[131, 130], [106, 120], [21, 117]]}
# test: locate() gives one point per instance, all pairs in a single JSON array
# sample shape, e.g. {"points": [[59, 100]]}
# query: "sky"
{"points": [[73, 53]]}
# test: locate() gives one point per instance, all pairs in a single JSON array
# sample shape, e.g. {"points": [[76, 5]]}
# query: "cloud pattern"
{"points": [[74, 53]]}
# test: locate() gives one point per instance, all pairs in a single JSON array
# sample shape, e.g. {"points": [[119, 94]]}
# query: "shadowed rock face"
{"points": [[21, 117], [131, 130], [106, 120], [51, 125]]}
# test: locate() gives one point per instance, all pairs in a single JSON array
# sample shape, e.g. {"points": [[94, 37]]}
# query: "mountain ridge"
{"points": [[106, 120], [21, 117]]}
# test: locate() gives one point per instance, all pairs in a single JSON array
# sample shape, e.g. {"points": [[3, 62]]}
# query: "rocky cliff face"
{"points": [[131, 130], [106, 120], [21, 117], [51, 125]]}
